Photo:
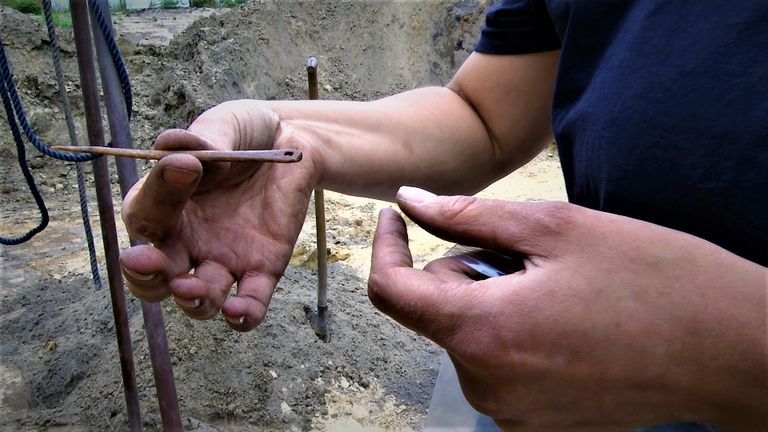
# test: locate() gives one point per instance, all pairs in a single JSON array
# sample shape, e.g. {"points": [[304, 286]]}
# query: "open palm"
{"points": [[227, 223]]}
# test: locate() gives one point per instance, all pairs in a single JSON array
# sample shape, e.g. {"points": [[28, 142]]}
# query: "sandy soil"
{"points": [[59, 366]]}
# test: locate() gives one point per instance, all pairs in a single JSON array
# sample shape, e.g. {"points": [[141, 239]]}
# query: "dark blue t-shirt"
{"points": [[660, 109]]}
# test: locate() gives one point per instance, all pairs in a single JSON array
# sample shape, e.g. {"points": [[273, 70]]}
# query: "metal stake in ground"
{"points": [[319, 319], [95, 128], [118, 116]]}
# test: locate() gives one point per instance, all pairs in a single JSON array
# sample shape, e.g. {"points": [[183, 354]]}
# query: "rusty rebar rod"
{"points": [[319, 319], [120, 132], [85, 62]]}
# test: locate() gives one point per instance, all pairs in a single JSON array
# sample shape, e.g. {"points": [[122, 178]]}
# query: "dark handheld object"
{"points": [[485, 263]]}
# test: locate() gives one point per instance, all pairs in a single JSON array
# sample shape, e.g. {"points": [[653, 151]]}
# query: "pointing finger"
{"points": [[528, 228]]}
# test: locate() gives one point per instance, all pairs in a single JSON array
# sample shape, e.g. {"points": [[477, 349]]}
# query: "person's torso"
{"points": [[661, 113]]}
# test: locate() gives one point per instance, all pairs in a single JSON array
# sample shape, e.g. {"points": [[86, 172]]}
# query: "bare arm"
{"points": [[492, 118], [239, 223]]}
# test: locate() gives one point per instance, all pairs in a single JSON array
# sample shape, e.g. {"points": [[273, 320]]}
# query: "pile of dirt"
{"points": [[59, 367], [365, 50]]}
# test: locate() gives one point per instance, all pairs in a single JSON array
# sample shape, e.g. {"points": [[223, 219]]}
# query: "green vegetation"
{"points": [[169, 4], [26, 6], [216, 3], [63, 18], [232, 3], [60, 19], [204, 3]]}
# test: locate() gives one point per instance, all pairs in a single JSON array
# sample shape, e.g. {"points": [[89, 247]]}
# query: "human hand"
{"points": [[612, 324], [229, 222]]}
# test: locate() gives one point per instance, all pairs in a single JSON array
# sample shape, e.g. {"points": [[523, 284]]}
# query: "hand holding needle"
{"points": [[279, 156]]}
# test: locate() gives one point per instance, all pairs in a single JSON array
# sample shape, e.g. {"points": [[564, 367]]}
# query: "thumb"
{"points": [[527, 228], [417, 299], [152, 209]]}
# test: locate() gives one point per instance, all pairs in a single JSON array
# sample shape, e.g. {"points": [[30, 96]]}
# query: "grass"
{"points": [[232, 3], [216, 3], [168, 4], [26, 6], [60, 19], [33, 7]]}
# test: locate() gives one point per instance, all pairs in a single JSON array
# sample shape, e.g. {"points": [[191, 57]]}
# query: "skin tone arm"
{"points": [[238, 223], [492, 118]]}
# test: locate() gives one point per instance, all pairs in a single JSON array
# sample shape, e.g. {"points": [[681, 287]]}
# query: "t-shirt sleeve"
{"points": [[518, 27]]}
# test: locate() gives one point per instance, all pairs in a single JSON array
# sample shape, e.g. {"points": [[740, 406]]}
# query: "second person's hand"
{"points": [[611, 324]]}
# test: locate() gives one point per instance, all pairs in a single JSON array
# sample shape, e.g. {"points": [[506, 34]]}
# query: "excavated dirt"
{"points": [[59, 367]]}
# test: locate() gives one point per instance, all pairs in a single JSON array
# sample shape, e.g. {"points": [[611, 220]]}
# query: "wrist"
{"points": [[297, 134]]}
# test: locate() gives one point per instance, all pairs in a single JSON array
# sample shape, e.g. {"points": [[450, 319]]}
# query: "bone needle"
{"points": [[280, 156]]}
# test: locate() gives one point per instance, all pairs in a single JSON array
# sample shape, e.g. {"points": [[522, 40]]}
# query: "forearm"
{"points": [[428, 137], [492, 118]]}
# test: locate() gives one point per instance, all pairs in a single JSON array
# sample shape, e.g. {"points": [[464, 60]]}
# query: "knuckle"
{"points": [[457, 207], [487, 396], [484, 401], [376, 289], [141, 229], [554, 217], [433, 266], [441, 266], [145, 293]]}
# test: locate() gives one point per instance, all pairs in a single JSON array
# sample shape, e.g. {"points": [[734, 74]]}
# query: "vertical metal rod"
{"points": [[320, 321], [85, 63], [120, 132]]}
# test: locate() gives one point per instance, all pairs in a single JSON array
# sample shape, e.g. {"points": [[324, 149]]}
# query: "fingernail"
{"points": [[414, 195], [189, 304], [138, 276], [178, 176], [239, 321]]}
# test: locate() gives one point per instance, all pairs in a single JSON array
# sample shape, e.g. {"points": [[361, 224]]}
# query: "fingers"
{"points": [[529, 228], [146, 272], [151, 210], [390, 243], [248, 308], [453, 269], [202, 294], [418, 300]]}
